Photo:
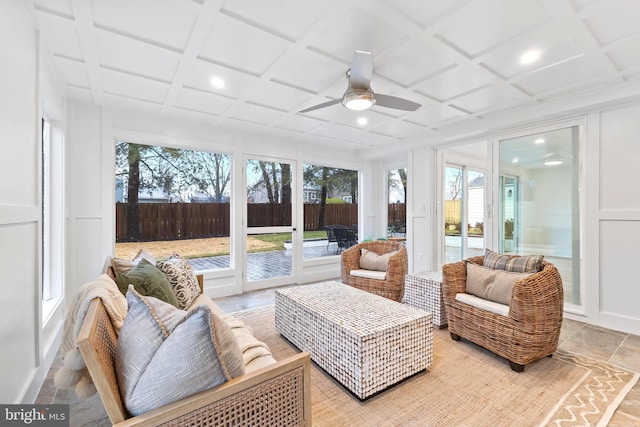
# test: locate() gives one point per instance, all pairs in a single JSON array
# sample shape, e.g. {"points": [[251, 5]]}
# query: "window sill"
{"points": [[48, 308]]}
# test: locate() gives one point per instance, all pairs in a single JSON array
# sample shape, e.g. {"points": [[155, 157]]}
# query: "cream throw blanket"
{"points": [[74, 373], [250, 346]]}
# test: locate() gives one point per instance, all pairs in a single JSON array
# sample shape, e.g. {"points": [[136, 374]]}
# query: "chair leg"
{"points": [[455, 337], [516, 366]]}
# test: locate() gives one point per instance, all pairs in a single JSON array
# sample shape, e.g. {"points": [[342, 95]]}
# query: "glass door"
{"points": [[269, 223], [464, 206], [539, 208]]}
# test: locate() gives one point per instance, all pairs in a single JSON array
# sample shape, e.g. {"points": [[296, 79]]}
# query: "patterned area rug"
{"points": [[467, 386], [594, 399]]}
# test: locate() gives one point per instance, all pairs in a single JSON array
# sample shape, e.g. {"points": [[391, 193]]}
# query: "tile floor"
{"points": [[602, 344]]}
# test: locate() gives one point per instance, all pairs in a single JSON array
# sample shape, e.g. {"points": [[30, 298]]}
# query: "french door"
{"points": [[269, 223]]}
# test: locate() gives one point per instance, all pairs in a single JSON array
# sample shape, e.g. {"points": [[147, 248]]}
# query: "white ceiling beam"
{"points": [[563, 12], [201, 29], [83, 15]]}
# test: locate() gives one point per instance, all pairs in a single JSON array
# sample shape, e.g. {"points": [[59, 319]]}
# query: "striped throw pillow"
{"points": [[517, 264]]}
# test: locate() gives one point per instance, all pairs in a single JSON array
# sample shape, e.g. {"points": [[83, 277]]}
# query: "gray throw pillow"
{"points": [[491, 284], [165, 354], [182, 279], [148, 280]]}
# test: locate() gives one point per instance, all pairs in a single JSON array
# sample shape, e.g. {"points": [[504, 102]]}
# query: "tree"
{"points": [[330, 181], [144, 166], [275, 179], [397, 179], [133, 186], [454, 183], [403, 178], [208, 172], [286, 192]]}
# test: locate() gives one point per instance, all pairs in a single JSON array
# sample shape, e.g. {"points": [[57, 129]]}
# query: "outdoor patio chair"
{"points": [[345, 238], [331, 236]]}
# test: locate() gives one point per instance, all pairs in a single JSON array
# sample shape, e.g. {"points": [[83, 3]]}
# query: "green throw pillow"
{"points": [[147, 280]]}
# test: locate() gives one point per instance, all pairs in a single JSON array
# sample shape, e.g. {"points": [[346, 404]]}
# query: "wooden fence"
{"points": [[452, 211], [175, 221]]}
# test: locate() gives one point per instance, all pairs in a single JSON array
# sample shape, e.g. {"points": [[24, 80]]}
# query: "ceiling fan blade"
{"points": [[361, 70], [395, 102], [324, 104]]}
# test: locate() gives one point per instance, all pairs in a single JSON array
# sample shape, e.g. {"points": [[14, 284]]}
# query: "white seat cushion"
{"points": [[483, 304], [369, 274]]}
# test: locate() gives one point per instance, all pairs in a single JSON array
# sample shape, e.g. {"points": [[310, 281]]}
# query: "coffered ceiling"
{"points": [[460, 59]]}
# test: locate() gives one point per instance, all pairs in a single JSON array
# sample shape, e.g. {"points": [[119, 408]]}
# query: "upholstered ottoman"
{"points": [[365, 341]]}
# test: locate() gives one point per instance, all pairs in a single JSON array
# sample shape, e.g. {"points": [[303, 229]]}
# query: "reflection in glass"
{"points": [[539, 203]]}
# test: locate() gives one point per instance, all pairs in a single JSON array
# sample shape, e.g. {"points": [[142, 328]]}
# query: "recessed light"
{"points": [[515, 160], [362, 121], [217, 82], [530, 56], [539, 141], [553, 162]]}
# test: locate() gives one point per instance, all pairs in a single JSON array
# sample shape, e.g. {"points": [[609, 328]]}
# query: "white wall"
{"points": [[21, 333], [421, 210], [614, 235], [90, 194]]}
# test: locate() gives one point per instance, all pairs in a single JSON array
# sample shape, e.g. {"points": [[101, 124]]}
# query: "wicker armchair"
{"points": [[532, 327], [393, 285]]}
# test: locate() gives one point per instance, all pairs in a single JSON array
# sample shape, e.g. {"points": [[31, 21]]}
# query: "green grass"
{"points": [[278, 239]]}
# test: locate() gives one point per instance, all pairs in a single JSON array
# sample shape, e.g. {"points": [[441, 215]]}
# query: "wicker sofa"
{"points": [[390, 283], [274, 393], [529, 330]]}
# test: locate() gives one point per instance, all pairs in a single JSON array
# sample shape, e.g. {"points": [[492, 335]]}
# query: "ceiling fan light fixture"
{"points": [[358, 99]]}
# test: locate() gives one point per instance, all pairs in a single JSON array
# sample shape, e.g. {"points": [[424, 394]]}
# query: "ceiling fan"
{"points": [[359, 95]]}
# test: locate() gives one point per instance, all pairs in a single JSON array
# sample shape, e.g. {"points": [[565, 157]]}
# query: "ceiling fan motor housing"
{"points": [[358, 99]]}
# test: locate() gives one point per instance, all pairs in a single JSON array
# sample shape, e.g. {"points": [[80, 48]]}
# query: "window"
{"points": [[52, 243], [334, 201], [172, 200], [396, 211]]}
